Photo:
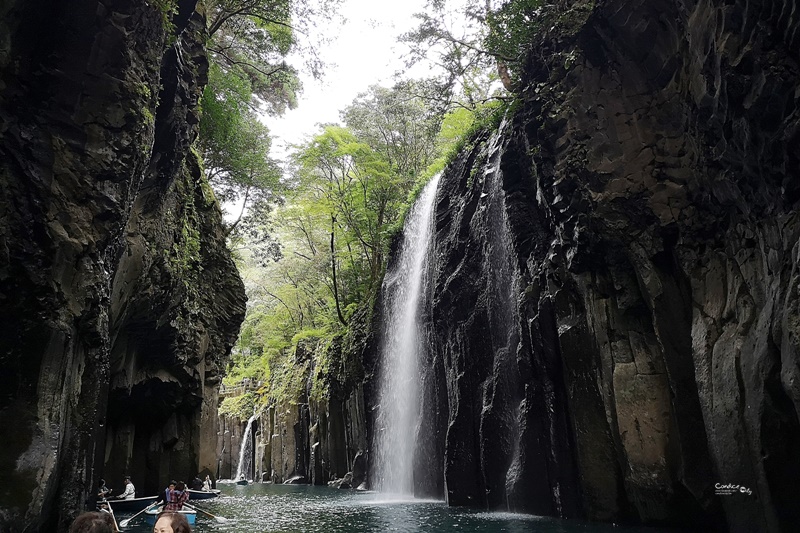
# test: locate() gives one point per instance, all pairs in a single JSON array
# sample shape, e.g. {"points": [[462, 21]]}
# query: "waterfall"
{"points": [[402, 348], [246, 452]]}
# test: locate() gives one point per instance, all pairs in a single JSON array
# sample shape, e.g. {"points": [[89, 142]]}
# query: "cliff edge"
{"points": [[119, 300]]}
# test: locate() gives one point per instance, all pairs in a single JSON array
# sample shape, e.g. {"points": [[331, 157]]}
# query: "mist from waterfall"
{"points": [[245, 466], [402, 347]]}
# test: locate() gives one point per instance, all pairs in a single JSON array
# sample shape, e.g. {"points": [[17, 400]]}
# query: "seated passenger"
{"points": [[130, 490], [177, 497]]}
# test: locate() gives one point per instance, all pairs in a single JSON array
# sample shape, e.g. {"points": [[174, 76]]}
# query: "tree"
{"points": [[235, 146], [249, 42], [475, 43], [356, 187], [346, 194], [398, 124], [253, 38]]}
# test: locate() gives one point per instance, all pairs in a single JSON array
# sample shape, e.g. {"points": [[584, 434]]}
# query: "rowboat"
{"points": [[151, 514], [133, 505], [242, 482], [203, 494]]}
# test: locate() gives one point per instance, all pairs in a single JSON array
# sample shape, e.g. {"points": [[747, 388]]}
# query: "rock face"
{"points": [[119, 299], [615, 314], [308, 436]]}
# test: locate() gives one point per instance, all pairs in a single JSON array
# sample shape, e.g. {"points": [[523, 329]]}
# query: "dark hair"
{"points": [[180, 486], [101, 482], [93, 522], [177, 521]]}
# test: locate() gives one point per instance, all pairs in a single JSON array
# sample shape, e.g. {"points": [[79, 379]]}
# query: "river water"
{"points": [[302, 508]]}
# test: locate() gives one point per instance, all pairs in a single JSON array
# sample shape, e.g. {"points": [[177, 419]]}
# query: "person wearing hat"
{"points": [[130, 490]]}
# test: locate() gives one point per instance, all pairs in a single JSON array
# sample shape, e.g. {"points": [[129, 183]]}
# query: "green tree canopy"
{"points": [[397, 123], [249, 44], [235, 146], [475, 43]]}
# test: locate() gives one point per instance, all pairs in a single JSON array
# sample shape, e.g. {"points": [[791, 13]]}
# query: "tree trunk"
{"points": [[333, 268]]}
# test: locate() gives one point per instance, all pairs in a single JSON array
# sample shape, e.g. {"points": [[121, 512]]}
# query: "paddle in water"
{"points": [[127, 521], [215, 517]]}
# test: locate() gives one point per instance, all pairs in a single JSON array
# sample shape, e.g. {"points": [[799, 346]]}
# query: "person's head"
{"points": [[93, 522], [127, 479], [171, 522], [180, 486], [101, 483], [172, 484], [208, 478]]}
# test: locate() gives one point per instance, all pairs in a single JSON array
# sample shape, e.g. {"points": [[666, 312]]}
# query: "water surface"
{"points": [[308, 509]]}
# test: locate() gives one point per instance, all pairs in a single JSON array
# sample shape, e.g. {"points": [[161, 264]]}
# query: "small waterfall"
{"points": [[245, 466], [401, 350]]}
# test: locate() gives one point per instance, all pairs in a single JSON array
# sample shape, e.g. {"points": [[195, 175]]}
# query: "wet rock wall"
{"points": [[315, 433], [119, 300], [614, 290]]}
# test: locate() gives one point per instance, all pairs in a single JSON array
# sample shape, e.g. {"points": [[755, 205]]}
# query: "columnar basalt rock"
{"points": [[310, 436], [614, 317], [119, 299]]}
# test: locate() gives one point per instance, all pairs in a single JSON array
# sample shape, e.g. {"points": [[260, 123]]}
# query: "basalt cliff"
{"points": [[613, 308], [119, 302]]}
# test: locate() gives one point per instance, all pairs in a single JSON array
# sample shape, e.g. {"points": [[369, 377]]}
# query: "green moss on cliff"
{"points": [[239, 407], [185, 254], [167, 8]]}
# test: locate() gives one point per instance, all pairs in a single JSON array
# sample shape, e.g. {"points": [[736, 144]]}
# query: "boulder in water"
{"points": [[346, 482]]}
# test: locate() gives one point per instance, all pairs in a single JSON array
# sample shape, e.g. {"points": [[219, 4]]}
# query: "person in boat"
{"points": [[103, 492], [93, 522], [165, 496], [171, 522], [207, 483], [196, 484], [177, 497], [130, 490]]}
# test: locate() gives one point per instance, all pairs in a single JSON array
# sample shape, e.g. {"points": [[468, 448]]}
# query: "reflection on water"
{"points": [[302, 508]]}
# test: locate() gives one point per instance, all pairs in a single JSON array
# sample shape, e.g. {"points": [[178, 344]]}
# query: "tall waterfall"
{"points": [[401, 349], [245, 466]]}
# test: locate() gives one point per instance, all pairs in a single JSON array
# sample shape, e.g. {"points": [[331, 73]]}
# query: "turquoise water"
{"points": [[302, 508]]}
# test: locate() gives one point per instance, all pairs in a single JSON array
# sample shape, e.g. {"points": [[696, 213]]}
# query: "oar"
{"points": [[114, 518], [127, 521], [215, 517]]}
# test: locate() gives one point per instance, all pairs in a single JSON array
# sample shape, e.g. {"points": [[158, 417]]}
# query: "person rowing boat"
{"points": [[130, 490]]}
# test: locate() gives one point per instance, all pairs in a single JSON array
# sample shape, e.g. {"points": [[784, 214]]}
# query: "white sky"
{"points": [[364, 51]]}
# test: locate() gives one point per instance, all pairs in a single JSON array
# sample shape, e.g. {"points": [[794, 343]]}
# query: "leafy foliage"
{"points": [[249, 43], [235, 145], [240, 407], [355, 192], [348, 191], [397, 123], [476, 43], [511, 28]]}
